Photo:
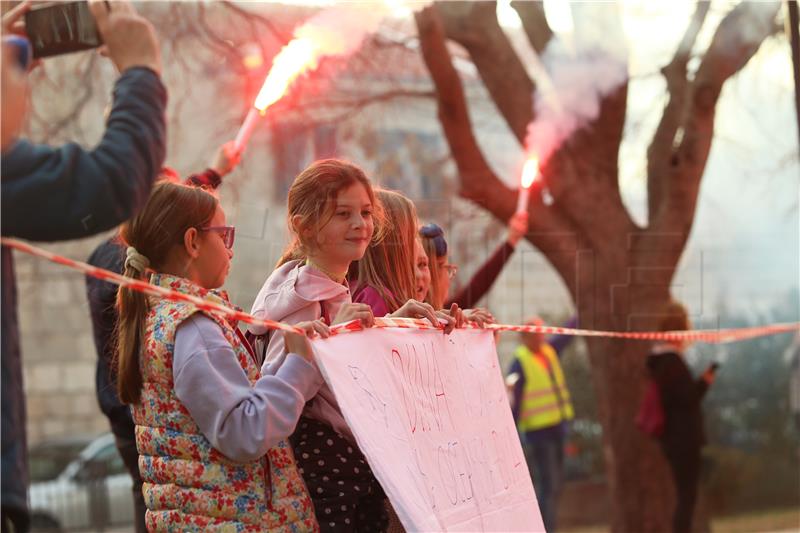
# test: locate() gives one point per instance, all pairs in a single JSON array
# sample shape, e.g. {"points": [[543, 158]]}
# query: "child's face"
{"points": [[214, 260], [345, 237], [422, 272]]}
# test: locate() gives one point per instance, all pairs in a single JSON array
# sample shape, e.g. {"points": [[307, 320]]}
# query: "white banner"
{"points": [[430, 412]]}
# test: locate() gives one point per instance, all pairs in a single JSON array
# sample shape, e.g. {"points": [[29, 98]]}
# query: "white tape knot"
{"points": [[135, 260]]}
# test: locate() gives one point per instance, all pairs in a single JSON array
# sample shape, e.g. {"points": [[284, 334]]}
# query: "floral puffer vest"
{"points": [[189, 485]]}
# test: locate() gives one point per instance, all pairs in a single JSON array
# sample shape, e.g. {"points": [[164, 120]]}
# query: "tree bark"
{"points": [[618, 275], [474, 26], [735, 41], [534, 22], [793, 31]]}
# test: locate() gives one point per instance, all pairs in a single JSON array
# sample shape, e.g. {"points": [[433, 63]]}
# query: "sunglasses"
{"points": [[228, 234]]}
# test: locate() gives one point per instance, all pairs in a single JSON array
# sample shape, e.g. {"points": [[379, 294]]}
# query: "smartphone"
{"points": [[61, 28]]}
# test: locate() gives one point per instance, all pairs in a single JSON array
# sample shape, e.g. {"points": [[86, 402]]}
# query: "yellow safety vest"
{"points": [[543, 403]]}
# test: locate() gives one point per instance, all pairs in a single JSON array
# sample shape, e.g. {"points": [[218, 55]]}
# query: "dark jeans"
{"points": [[684, 463], [130, 455], [14, 520], [545, 458]]}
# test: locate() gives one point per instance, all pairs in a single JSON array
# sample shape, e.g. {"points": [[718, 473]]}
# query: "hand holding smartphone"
{"points": [[61, 28], [127, 38]]}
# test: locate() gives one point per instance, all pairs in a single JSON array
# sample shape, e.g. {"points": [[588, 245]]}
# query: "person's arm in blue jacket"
{"points": [[69, 192]]}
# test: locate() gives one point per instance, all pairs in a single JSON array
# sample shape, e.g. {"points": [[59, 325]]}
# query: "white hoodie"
{"points": [[296, 292]]}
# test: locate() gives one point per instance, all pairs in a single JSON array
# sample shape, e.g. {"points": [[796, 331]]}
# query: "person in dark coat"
{"points": [[683, 436], [102, 296], [68, 192]]}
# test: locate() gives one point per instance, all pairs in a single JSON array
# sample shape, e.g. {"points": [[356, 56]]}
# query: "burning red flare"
{"points": [[529, 172], [300, 55], [295, 58], [338, 31]]}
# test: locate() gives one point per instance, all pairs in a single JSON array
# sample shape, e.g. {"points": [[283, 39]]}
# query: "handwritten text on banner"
{"points": [[431, 414]]}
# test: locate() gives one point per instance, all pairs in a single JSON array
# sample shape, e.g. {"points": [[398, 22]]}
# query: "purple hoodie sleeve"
{"points": [[241, 420], [371, 297]]}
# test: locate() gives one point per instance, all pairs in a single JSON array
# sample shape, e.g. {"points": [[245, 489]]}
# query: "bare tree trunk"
{"points": [[793, 29], [613, 294]]}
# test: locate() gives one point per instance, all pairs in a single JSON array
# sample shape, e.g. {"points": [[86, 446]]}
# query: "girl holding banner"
{"points": [[210, 428], [332, 214]]}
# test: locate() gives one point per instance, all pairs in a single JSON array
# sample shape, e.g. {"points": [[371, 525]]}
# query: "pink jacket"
{"points": [[296, 292]]}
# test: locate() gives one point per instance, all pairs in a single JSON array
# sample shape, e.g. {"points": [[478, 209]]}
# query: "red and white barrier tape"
{"points": [[709, 336], [698, 335], [145, 287]]}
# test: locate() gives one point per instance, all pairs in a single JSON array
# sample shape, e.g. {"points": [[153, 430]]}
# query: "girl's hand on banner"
{"points": [[416, 309], [314, 328], [453, 318], [299, 344], [355, 311], [480, 316]]}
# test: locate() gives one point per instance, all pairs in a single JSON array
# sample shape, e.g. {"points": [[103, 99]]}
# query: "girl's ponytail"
{"points": [[150, 236], [133, 307]]}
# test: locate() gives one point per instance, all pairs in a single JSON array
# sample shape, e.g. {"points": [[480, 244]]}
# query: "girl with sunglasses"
{"points": [[210, 428]]}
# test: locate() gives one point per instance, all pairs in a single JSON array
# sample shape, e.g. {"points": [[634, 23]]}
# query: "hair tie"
{"points": [[135, 260]]}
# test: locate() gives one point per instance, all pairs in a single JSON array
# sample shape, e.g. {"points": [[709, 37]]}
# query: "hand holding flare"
{"points": [[529, 173]]}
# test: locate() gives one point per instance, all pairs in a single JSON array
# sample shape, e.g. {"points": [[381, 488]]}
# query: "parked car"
{"points": [[79, 483]]}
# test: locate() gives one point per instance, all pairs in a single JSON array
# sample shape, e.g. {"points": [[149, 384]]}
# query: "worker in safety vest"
{"points": [[541, 406]]}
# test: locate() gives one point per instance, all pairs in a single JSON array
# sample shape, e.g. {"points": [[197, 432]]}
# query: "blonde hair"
{"points": [[436, 293], [388, 265], [171, 210], [312, 197]]}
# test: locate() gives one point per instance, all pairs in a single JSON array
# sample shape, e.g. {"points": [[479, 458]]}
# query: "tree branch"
{"points": [[252, 18], [369, 98], [534, 22], [324, 112], [474, 26], [583, 175], [478, 182], [736, 40], [224, 46], [660, 150]]}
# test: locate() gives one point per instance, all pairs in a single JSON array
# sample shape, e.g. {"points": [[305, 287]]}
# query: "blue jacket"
{"points": [[53, 194]]}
